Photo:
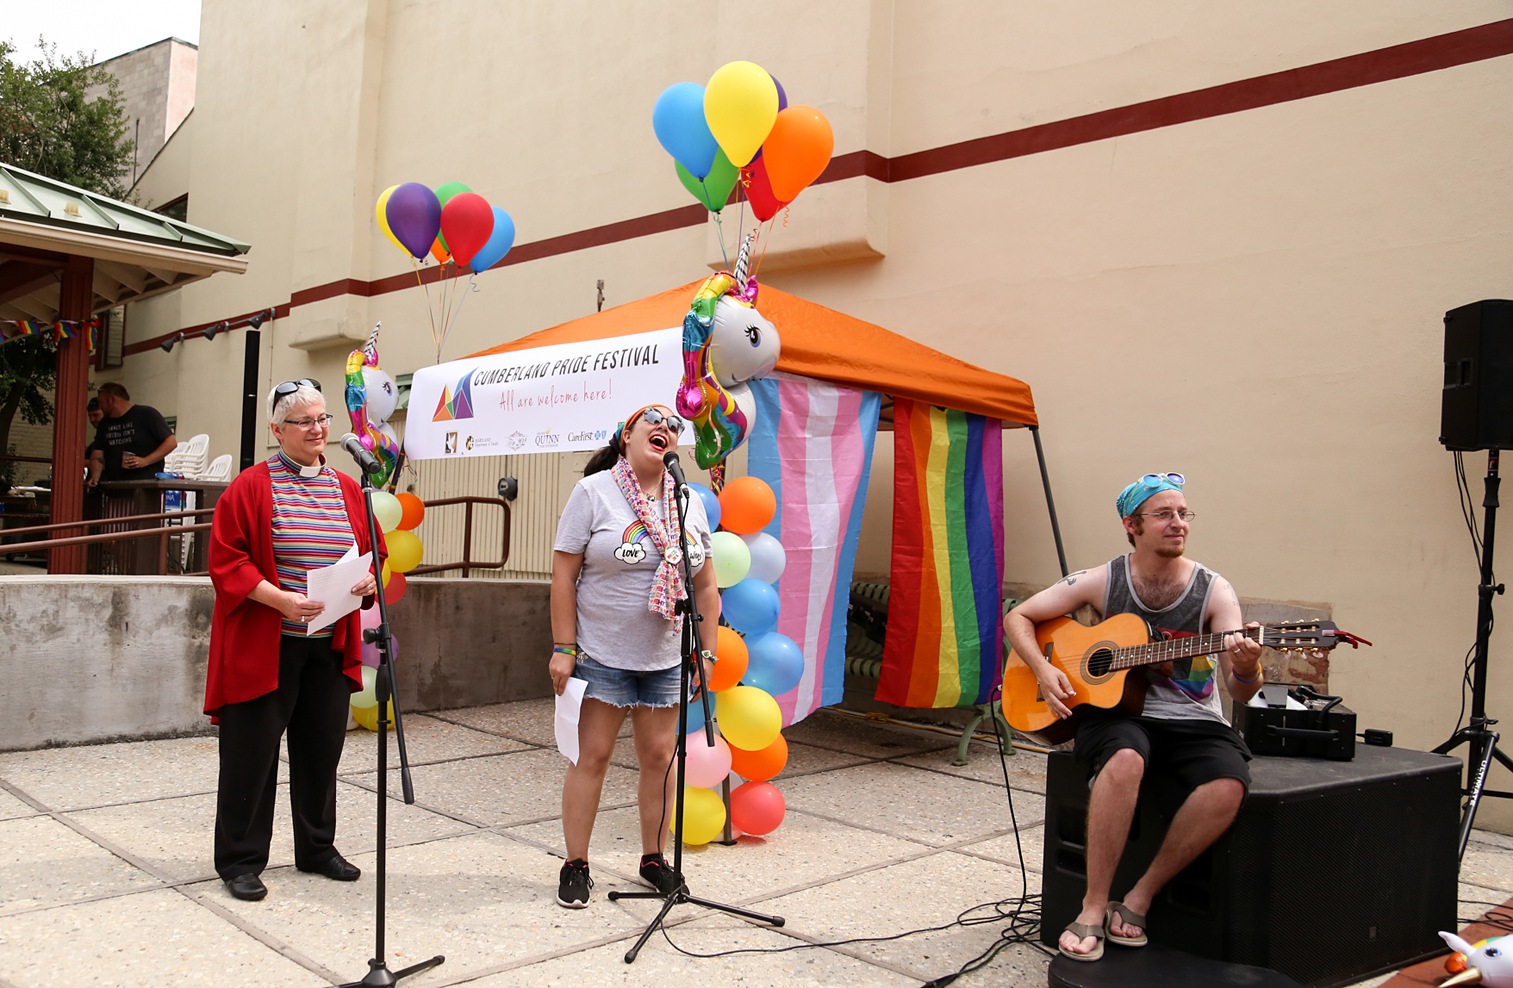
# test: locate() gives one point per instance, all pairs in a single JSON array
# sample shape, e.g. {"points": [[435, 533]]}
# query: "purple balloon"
{"points": [[414, 215], [782, 95]]}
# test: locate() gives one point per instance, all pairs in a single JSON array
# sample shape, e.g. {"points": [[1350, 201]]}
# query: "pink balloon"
{"points": [[370, 656], [707, 764], [757, 808]]}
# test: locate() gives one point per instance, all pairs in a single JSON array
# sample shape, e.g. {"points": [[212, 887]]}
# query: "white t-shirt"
{"points": [[616, 625]]}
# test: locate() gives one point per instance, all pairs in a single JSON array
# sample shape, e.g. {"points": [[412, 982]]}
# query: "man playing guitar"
{"points": [[1197, 760]]}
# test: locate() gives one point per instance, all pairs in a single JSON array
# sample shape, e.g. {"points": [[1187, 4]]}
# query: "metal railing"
{"points": [[468, 563]]}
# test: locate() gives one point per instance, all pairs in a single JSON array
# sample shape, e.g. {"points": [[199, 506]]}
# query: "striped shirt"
{"points": [[311, 528]]}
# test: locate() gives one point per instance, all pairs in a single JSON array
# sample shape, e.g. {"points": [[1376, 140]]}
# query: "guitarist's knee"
{"points": [[1125, 769]]}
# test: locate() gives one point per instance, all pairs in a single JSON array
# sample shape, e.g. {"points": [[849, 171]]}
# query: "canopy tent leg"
{"points": [[1050, 503]]}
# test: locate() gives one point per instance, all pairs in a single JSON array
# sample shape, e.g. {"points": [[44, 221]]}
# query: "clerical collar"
{"points": [[313, 470]]}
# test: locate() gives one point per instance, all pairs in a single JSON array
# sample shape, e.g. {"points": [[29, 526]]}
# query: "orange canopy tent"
{"points": [[823, 344]]}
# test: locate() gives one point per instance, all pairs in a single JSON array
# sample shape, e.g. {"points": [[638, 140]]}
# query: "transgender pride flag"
{"points": [[812, 443]]}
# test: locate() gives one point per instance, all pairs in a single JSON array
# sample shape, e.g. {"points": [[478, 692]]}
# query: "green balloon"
{"points": [[714, 192], [444, 192]]}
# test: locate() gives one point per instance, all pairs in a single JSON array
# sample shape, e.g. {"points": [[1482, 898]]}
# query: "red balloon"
{"points": [[467, 221], [757, 808], [395, 589], [759, 191]]}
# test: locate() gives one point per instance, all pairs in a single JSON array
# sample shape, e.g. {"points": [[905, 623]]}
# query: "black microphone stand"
{"points": [[692, 650], [379, 974], [1478, 733]]}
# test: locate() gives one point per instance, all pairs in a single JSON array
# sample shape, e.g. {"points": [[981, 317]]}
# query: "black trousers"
{"points": [[310, 704]]}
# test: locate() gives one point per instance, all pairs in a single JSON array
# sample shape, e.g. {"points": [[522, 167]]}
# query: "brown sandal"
{"points": [[1130, 918], [1082, 930]]}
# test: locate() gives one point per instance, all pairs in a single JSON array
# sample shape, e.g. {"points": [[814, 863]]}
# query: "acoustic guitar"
{"points": [[1098, 660]]}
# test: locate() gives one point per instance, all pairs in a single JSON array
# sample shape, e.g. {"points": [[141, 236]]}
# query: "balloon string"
{"points": [[457, 310], [425, 290], [720, 232]]}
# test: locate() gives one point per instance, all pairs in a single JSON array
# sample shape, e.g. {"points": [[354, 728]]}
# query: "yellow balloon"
{"points": [[381, 213], [750, 718], [703, 815], [740, 105], [405, 550], [368, 716], [386, 572]]}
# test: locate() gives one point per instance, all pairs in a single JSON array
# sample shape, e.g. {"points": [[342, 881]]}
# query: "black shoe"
{"points": [[656, 872], [336, 868], [573, 884], [248, 888]]}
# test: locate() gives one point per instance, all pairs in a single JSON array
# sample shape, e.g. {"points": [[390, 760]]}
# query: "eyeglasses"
{"points": [[289, 387], [1157, 479], [1167, 514], [654, 417], [308, 424]]}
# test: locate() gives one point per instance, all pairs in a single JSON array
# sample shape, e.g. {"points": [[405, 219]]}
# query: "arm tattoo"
{"points": [[1072, 578]]}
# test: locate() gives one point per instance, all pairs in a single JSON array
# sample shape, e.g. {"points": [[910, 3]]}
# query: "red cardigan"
{"points": [[244, 635]]}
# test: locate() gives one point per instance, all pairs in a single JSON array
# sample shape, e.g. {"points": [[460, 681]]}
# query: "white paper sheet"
{"points": [[332, 585], [569, 705]]}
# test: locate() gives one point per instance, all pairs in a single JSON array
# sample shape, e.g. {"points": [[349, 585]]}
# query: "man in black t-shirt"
{"points": [[131, 442]]}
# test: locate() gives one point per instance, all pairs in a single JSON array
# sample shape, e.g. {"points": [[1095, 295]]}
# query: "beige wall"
{"points": [[1254, 299]]}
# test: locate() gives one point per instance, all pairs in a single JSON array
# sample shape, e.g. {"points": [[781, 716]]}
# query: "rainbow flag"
{"points": [[945, 622], [812, 442]]}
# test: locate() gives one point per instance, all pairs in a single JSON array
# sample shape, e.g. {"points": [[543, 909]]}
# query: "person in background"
{"points": [[617, 576], [267, 673], [132, 441], [1182, 740]]}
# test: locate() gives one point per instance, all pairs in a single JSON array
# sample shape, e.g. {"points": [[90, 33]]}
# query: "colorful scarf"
{"points": [[667, 587]]}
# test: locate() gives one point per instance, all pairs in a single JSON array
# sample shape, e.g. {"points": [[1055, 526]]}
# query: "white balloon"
{"points": [[743, 344], [382, 395], [768, 558]]}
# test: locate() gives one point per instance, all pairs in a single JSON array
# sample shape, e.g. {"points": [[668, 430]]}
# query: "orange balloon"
{"points": [[759, 766], [747, 504], [730, 660], [797, 150], [413, 510], [439, 250]]}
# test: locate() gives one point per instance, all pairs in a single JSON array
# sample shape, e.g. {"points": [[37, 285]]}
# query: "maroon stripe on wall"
{"points": [[1444, 51]]}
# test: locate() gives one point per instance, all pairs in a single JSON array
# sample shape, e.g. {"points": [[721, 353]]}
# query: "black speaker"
{"points": [[1476, 408], [1333, 871]]}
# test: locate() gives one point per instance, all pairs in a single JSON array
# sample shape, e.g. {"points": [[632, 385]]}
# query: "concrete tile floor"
{"points": [[105, 875]]}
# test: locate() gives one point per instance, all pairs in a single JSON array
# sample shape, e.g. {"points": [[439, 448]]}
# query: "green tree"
{"points": [[27, 365], [62, 117]]}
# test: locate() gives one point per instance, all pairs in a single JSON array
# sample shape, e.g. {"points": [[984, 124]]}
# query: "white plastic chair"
{"points": [[219, 469], [188, 458]]}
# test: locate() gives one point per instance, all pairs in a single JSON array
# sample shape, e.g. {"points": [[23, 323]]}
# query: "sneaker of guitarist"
{"points": [[1195, 761]]}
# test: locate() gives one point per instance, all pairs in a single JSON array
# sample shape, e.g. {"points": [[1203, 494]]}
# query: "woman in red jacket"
{"points": [[267, 674]]}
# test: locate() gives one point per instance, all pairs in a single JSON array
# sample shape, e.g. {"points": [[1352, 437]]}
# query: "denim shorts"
{"points": [[629, 687]]}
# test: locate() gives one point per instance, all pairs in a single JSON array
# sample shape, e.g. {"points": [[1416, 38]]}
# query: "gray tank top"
{"points": [[1192, 693]]}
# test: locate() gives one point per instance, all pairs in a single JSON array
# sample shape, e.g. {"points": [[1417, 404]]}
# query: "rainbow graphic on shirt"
{"points": [[632, 552]]}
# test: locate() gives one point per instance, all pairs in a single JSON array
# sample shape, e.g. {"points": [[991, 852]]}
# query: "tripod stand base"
{"points": [[380, 976], [673, 899]]}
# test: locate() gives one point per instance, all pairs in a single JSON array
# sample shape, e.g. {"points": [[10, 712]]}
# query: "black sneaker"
{"points": [[656, 872], [573, 884]]}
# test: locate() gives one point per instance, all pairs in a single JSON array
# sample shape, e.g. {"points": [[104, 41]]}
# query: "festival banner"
{"points": [[812, 443], [945, 625], [550, 399]]}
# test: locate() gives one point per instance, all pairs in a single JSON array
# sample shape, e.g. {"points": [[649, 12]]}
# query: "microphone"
{"points": [[670, 461], [366, 461]]}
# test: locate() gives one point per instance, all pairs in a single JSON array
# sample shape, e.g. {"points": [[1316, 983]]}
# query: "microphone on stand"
{"points": [[670, 461], [366, 461]]}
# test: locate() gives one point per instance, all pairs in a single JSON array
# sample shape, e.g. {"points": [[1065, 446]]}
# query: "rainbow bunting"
{"points": [[59, 330], [812, 442], [945, 631]]}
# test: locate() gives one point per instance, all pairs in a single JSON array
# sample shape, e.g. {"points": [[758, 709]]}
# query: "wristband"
{"points": [[1260, 673], [566, 650]]}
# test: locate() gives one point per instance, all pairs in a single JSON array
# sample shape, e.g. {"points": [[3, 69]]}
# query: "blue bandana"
{"points": [[1136, 494]]}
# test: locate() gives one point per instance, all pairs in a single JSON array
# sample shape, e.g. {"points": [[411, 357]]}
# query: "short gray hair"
{"points": [[279, 405]]}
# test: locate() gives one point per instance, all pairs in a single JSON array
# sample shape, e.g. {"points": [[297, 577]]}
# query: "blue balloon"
{"points": [[750, 607], [696, 714], [498, 244], [711, 503], [678, 119], [776, 664]]}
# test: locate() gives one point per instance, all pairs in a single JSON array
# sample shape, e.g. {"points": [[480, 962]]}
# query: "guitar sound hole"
{"points": [[1099, 663]]}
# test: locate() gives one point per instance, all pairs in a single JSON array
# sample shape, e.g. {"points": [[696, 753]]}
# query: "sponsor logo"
{"points": [[451, 443], [548, 439], [586, 436], [516, 440], [455, 403]]}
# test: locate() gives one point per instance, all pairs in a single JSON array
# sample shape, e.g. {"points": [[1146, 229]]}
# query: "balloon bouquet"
{"points": [[454, 225], [739, 130], [371, 397]]}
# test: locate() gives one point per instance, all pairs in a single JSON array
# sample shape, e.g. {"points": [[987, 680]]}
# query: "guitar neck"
{"points": [[1173, 649]]}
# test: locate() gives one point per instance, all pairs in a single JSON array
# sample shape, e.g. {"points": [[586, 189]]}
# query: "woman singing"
{"points": [[277, 521], [617, 574]]}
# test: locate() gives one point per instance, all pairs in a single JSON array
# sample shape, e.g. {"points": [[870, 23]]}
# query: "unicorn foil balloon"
{"points": [[371, 397], [1488, 963]]}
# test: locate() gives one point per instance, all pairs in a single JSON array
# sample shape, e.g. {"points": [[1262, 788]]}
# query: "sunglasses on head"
{"points": [[1157, 479], [289, 387]]}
